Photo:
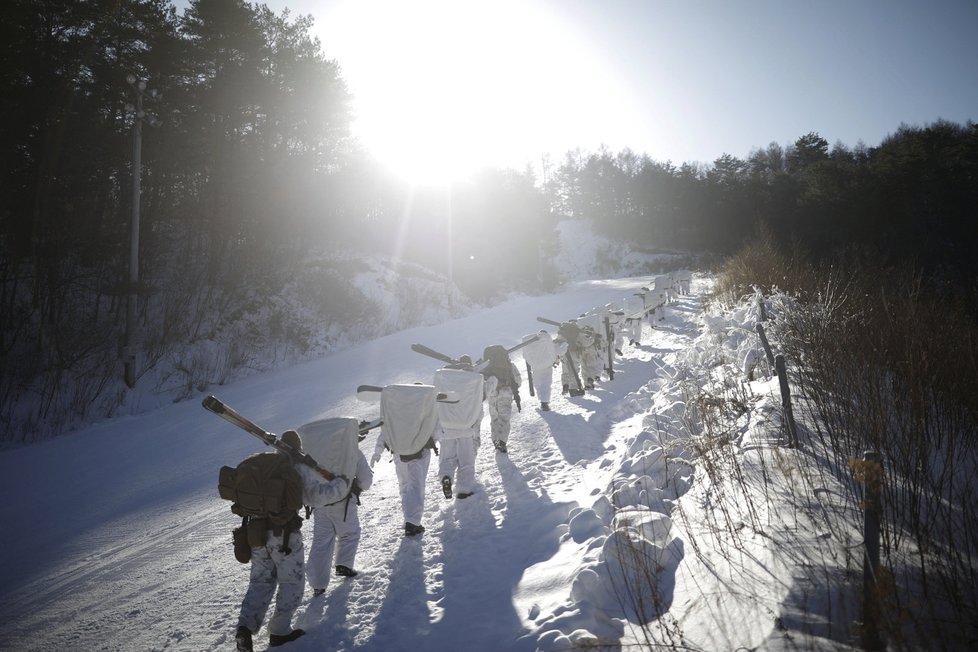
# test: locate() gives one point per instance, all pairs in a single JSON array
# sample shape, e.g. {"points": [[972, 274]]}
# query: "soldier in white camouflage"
{"points": [[279, 564]]}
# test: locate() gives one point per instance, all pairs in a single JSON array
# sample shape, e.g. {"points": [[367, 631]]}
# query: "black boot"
{"points": [[274, 640], [345, 571], [242, 639], [410, 529], [545, 406], [446, 486]]}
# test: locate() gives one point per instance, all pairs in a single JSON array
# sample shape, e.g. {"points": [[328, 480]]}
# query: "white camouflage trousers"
{"points": [[335, 528], [567, 376], [500, 413], [634, 328], [271, 568], [411, 484], [458, 455], [590, 363], [543, 380]]}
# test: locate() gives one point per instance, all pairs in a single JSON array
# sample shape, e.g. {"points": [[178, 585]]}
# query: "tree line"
{"points": [[911, 199], [252, 169]]}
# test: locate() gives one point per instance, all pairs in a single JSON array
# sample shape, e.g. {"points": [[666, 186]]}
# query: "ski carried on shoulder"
{"points": [[544, 320], [478, 366], [366, 426], [519, 346], [431, 353], [371, 394], [215, 405], [447, 359]]}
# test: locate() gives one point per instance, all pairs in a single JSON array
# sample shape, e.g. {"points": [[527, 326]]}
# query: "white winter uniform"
{"points": [[595, 359], [685, 278], [336, 527], [271, 567], [634, 312], [410, 423], [541, 356], [459, 425], [586, 357], [500, 401]]}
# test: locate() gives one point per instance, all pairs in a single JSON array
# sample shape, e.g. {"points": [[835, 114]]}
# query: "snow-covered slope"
{"points": [[117, 539]]}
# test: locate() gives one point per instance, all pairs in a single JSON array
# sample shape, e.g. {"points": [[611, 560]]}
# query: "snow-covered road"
{"points": [[119, 541]]}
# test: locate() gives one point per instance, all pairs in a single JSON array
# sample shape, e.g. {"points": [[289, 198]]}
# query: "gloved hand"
{"points": [[374, 459]]}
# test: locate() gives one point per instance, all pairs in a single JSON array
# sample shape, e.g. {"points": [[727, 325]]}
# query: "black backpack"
{"points": [[499, 366]]}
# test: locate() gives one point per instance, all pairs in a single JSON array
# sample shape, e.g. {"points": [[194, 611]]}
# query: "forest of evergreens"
{"points": [[252, 168]]}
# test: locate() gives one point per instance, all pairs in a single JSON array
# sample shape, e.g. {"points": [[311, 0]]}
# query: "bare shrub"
{"points": [[762, 264], [886, 366]]}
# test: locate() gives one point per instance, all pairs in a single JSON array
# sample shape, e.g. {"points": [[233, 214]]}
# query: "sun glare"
{"points": [[442, 88]]}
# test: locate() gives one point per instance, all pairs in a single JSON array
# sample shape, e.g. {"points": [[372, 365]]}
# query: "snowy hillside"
{"points": [[196, 336], [120, 541]]}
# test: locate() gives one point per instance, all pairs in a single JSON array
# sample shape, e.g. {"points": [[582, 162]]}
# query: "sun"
{"points": [[442, 88]]}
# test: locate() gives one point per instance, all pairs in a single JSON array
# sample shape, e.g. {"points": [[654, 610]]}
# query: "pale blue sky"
{"points": [[681, 80]]}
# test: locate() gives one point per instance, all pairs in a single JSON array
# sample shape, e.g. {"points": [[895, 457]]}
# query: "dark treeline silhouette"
{"points": [[913, 198], [252, 170]]}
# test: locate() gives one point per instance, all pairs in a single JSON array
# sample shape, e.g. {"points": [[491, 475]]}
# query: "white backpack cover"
{"points": [[634, 307], [467, 387], [409, 417], [333, 444], [541, 353], [596, 322]]}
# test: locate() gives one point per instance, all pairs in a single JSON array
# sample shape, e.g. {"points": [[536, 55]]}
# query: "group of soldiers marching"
{"points": [[415, 420]]}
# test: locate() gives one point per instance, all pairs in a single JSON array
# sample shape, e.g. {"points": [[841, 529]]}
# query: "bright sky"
{"points": [[454, 83]]}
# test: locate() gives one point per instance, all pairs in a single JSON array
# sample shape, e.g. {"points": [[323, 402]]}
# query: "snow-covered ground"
{"points": [[116, 539]]}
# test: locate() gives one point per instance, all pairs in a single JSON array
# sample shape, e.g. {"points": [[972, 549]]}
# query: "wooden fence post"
{"points": [[765, 344], [786, 401], [873, 472], [610, 336]]}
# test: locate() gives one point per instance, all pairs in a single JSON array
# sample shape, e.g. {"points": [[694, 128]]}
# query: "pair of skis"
{"points": [[371, 394], [481, 364], [478, 366], [215, 405]]}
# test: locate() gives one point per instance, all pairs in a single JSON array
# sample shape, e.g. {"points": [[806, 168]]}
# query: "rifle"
{"points": [[577, 377]]}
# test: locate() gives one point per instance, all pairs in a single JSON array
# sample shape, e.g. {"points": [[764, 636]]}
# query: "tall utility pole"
{"points": [[129, 352]]}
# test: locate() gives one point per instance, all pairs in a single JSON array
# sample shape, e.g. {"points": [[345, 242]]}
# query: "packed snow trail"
{"points": [[123, 544]]}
